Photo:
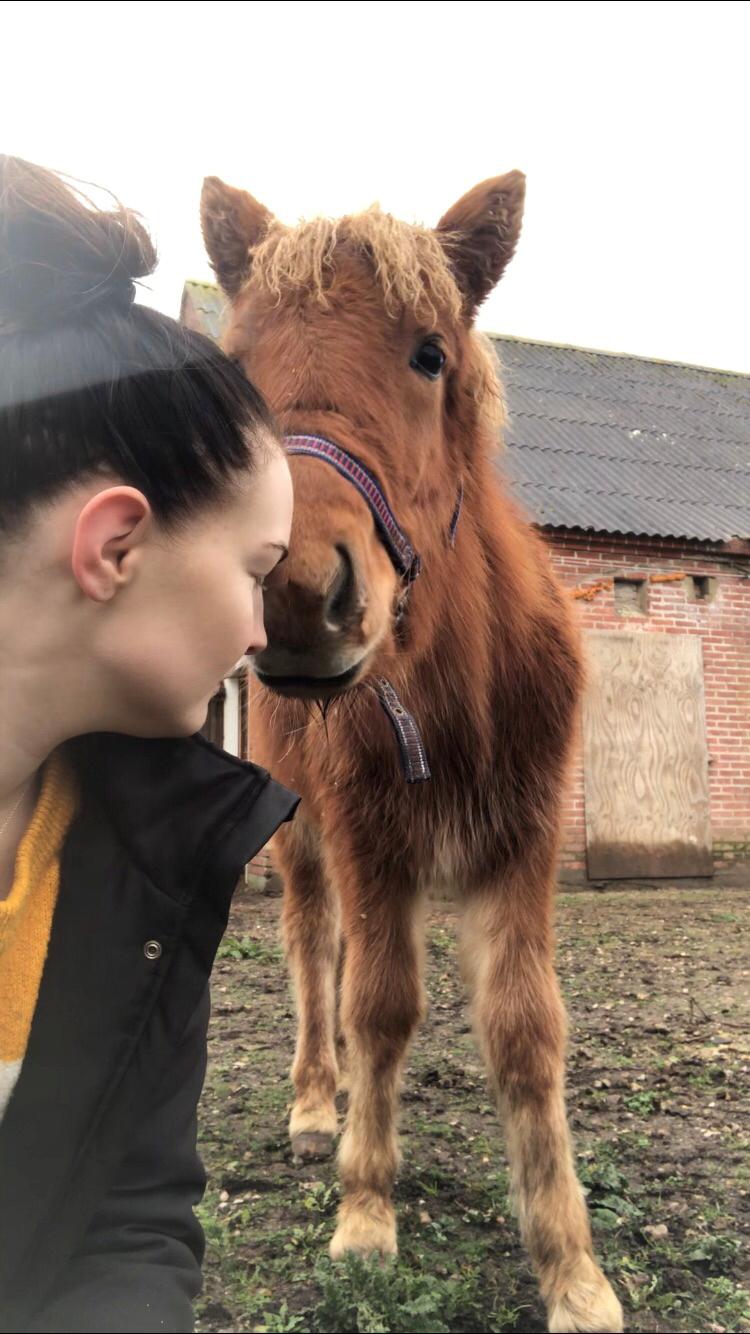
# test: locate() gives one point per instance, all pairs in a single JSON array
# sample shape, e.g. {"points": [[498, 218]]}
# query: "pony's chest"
{"points": [[443, 874]]}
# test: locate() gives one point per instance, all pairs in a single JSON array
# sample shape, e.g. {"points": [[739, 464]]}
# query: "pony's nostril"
{"points": [[342, 596]]}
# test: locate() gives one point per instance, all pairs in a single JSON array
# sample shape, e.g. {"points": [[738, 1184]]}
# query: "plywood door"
{"points": [[645, 757]]}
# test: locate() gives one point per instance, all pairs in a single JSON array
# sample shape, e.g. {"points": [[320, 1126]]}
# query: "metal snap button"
{"points": [[152, 950]]}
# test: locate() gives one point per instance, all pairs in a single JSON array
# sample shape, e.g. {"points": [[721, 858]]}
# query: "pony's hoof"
{"points": [[588, 1305], [312, 1145], [365, 1228], [312, 1130]]}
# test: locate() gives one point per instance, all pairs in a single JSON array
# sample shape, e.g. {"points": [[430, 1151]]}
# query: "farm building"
{"points": [[637, 474]]}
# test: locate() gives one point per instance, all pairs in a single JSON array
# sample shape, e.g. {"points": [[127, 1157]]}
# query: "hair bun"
{"points": [[61, 257]]}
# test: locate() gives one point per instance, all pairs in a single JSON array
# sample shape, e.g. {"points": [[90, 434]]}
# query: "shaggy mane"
{"points": [[409, 262]]}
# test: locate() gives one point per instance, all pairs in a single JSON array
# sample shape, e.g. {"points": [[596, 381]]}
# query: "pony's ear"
{"points": [[480, 233], [232, 223]]}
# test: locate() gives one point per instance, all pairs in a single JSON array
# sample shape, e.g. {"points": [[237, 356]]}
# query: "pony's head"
{"points": [[359, 331]]}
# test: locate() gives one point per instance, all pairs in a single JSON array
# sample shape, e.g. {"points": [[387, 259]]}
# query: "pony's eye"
{"points": [[429, 360]]}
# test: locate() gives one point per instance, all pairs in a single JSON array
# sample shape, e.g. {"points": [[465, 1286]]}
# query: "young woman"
{"points": [[144, 498]]}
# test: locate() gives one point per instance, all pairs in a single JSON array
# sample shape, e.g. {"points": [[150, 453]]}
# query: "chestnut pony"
{"points": [[359, 332]]}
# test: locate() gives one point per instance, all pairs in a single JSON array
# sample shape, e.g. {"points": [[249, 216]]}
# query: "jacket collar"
{"points": [[172, 803]]}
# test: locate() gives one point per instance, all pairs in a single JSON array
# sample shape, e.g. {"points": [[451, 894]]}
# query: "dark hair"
{"points": [[91, 383]]}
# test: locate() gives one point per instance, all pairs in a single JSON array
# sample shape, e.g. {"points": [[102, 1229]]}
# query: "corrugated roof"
{"points": [[608, 443], [618, 444]]}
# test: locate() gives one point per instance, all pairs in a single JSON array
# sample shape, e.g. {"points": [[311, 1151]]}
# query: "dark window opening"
{"points": [[701, 587], [631, 597]]}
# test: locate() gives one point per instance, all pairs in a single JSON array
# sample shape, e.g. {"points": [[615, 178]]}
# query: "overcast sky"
{"points": [[630, 120]]}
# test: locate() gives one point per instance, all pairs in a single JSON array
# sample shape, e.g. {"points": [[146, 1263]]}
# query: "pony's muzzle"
{"points": [[315, 635]]}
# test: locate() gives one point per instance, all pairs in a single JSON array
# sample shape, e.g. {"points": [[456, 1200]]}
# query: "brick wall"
{"points": [[590, 565]]}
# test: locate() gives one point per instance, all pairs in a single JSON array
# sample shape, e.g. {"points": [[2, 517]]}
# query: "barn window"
{"points": [[701, 587], [631, 597]]}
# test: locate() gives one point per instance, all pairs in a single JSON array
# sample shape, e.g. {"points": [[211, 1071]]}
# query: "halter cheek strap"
{"points": [[410, 743], [456, 516], [407, 564]]}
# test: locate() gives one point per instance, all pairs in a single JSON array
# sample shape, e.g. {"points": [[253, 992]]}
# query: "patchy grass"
{"points": [[247, 947], [659, 1077]]}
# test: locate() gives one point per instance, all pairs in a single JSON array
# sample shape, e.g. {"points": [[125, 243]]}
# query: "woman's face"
{"points": [[194, 606]]}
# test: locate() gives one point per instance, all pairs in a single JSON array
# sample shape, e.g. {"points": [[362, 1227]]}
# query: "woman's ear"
{"points": [[232, 222], [109, 530]]}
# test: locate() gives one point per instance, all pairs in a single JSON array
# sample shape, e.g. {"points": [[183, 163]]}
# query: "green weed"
{"points": [[244, 947]]}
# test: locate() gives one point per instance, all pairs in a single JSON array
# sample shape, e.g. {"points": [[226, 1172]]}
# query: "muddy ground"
{"points": [[658, 988]]}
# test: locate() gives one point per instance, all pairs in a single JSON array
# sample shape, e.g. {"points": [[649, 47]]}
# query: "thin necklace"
{"points": [[13, 809]]}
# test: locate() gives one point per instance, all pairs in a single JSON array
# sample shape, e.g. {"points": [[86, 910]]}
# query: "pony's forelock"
{"points": [[409, 262]]}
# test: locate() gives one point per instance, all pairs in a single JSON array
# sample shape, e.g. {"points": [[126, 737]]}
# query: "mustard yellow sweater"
{"points": [[26, 918]]}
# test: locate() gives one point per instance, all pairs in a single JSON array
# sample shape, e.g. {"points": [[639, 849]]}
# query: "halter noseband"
{"points": [[407, 564], [404, 558]]}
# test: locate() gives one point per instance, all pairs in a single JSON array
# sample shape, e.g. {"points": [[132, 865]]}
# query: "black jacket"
{"points": [[98, 1163]]}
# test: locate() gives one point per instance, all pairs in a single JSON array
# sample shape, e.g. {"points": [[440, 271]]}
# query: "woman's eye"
{"points": [[429, 360]]}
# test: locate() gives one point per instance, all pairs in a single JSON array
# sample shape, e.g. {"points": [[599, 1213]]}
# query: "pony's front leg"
{"points": [[381, 1005], [521, 1026], [310, 923]]}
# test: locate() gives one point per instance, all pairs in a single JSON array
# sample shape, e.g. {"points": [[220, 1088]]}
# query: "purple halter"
{"points": [[407, 564], [405, 560]]}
